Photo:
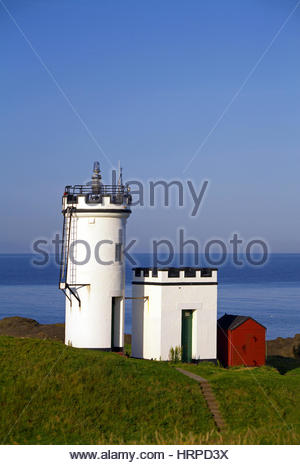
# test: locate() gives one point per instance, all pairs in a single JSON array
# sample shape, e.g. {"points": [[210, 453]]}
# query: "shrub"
{"points": [[175, 354]]}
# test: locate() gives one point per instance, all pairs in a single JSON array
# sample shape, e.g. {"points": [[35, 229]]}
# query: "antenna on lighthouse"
{"points": [[96, 178], [120, 174]]}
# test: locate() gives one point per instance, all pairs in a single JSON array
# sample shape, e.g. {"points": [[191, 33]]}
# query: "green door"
{"points": [[186, 335]]}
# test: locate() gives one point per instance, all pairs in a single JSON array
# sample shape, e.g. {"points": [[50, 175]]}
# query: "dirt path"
{"points": [[209, 396]]}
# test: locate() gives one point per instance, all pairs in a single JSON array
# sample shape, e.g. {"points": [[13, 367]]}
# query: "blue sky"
{"points": [[149, 80]]}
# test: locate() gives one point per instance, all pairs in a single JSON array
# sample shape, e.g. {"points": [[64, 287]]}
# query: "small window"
{"points": [[93, 198], [118, 251], [206, 273], [146, 272], [154, 272], [190, 273], [137, 272], [72, 198], [173, 273]]}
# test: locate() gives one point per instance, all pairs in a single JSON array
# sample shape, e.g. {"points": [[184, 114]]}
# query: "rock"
{"points": [[18, 326], [286, 347], [27, 327]]}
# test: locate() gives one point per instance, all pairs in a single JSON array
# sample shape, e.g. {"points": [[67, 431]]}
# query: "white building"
{"points": [[92, 273], [174, 307]]}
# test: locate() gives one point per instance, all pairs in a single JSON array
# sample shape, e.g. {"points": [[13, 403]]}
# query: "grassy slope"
{"points": [[53, 394], [258, 402]]}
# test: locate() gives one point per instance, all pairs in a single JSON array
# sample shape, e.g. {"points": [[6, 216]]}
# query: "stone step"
{"points": [[213, 406], [220, 426], [208, 393], [209, 397], [212, 403]]}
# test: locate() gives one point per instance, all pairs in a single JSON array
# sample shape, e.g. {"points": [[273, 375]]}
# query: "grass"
{"points": [[258, 403], [54, 394]]}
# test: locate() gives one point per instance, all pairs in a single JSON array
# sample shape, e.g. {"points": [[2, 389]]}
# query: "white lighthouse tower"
{"points": [[92, 273]]}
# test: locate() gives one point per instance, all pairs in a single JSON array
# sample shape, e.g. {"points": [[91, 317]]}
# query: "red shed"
{"points": [[241, 341]]}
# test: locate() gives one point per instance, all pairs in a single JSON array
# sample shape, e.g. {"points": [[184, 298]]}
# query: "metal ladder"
{"points": [[73, 238], [69, 234]]}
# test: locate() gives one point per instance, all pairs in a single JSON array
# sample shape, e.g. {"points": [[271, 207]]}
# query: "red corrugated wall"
{"points": [[245, 345]]}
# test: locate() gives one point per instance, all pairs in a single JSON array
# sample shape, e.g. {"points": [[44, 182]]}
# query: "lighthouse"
{"points": [[92, 269]]}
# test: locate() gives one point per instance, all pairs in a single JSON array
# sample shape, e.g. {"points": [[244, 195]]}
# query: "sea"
{"points": [[270, 293]]}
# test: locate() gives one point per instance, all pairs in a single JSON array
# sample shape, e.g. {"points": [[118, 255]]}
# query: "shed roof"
{"points": [[233, 321]]}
